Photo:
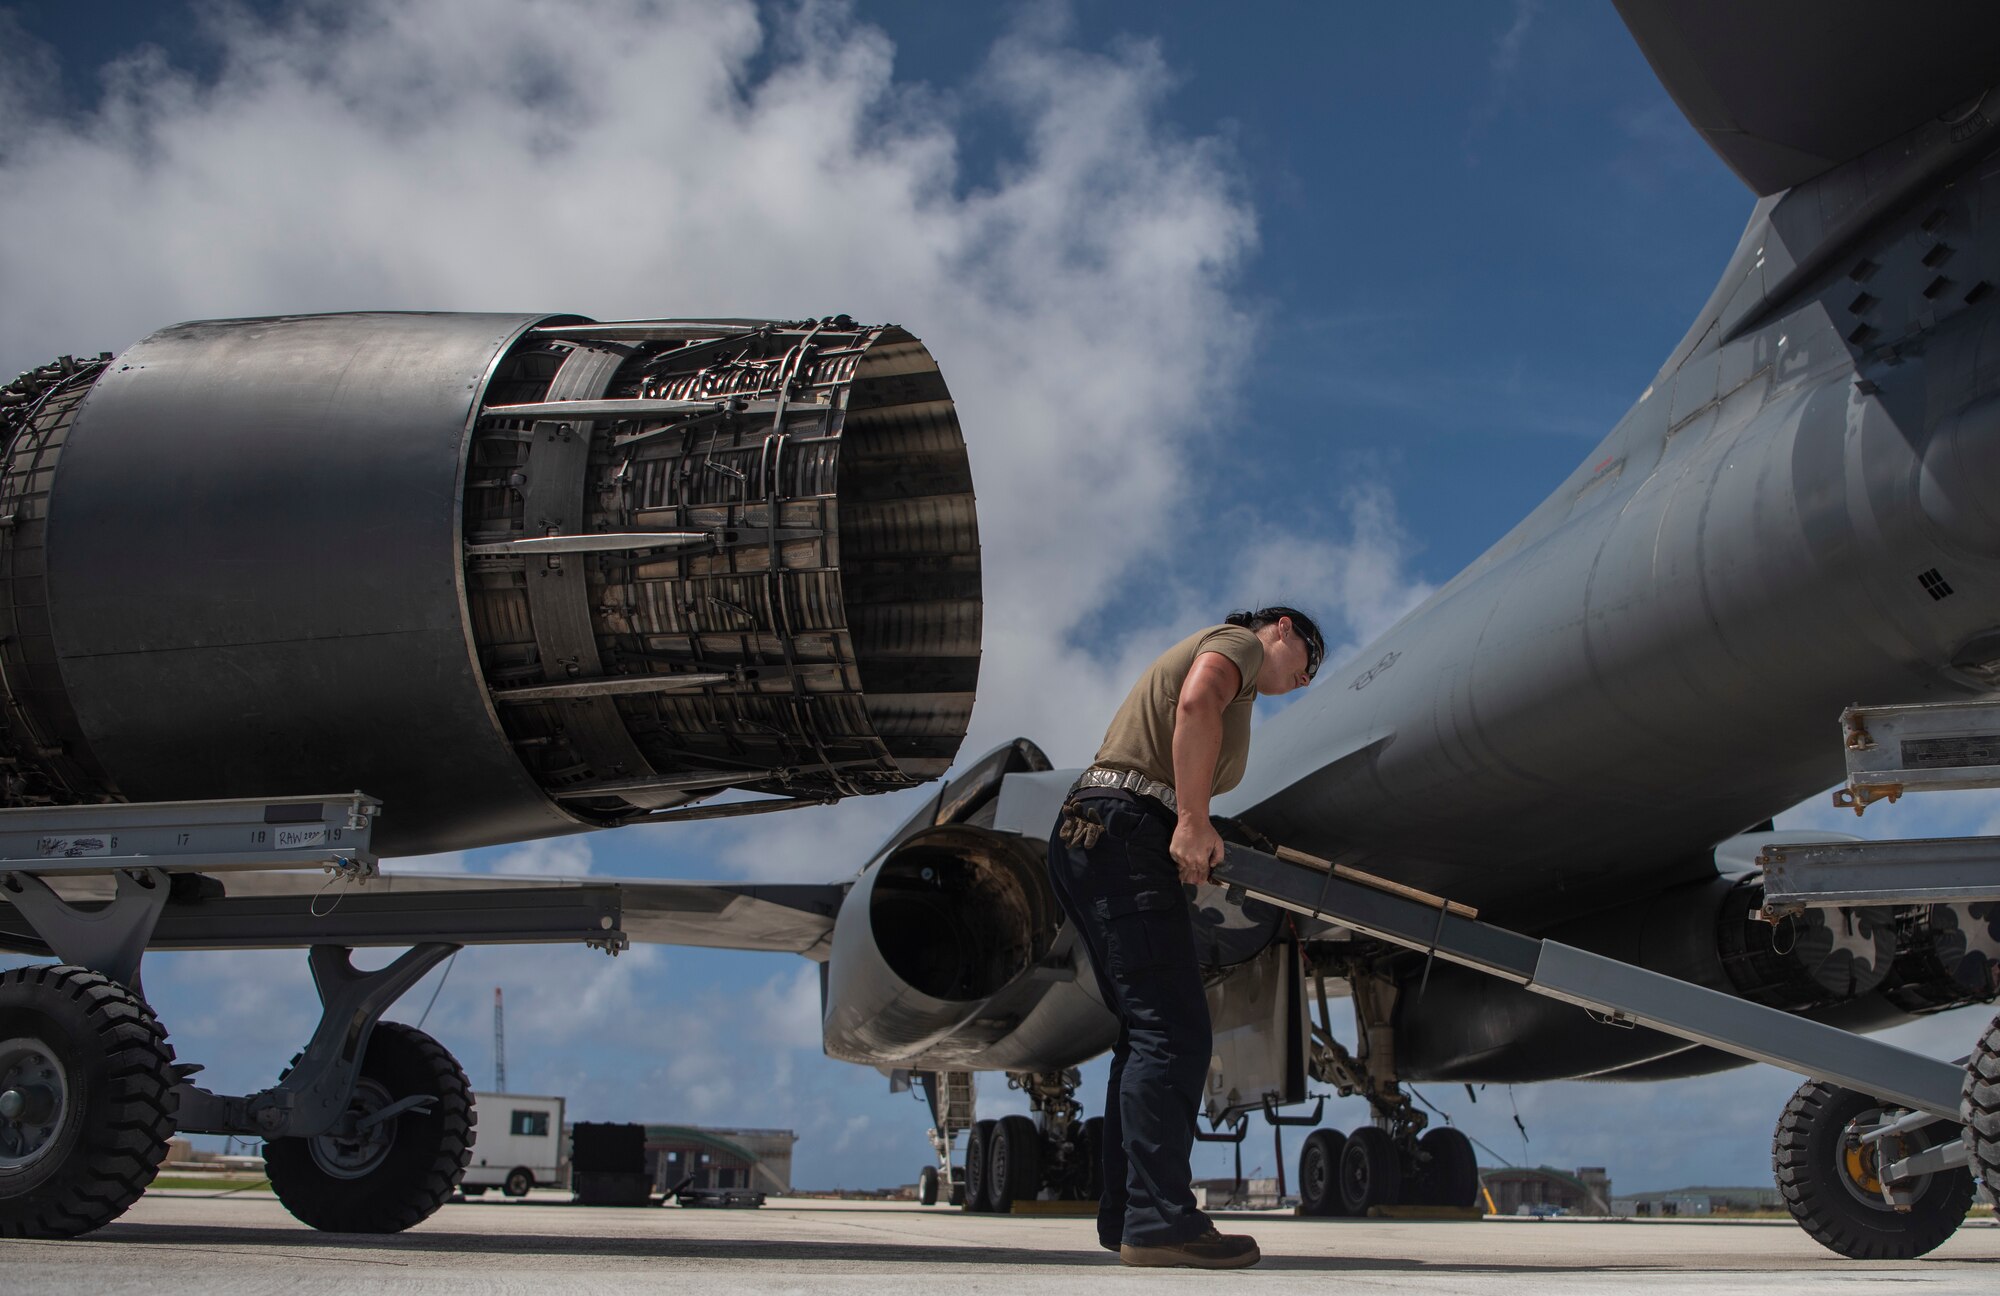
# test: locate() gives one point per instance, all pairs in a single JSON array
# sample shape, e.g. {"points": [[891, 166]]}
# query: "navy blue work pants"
{"points": [[1124, 898]]}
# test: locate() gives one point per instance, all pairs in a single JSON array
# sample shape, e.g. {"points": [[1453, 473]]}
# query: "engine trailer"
{"points": [[368, 1129]]}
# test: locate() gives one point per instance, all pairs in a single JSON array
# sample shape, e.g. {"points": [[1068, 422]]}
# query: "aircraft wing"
{"points": [[1783, 90]]}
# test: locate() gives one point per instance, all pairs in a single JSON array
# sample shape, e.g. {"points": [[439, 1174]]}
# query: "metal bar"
{"points": [[609, 686], [354, 916], [710, 778], [597, 543], [221, 862], [1748, 1029], [733, 810], [587, 410], [1384, 914], [651, 330], [1919, 871], [1948, 1155], [178, 835], [1630, 994]]}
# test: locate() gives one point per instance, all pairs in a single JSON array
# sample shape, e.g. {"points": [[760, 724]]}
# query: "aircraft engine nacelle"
{"points": [[516, 575], [951, 917]]}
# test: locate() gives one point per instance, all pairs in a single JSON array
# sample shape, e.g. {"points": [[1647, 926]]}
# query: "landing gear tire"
{"points": [[1319, 1173], [1013, 1163], [85, 1070], [1371, 1171], [519, 1181], [927, 1186], [385, 1179], [1981, 1109], [1828, 1179], [1448, 1173], [976, 1144]]}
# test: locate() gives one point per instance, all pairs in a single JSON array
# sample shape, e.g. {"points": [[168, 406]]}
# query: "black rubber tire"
{"points": [[1319, 1173], [1093, 1159], [472, 1192], [425, 1157], [1447, 1169], [977, 1140], [111, 1129], [927, 1186], [1371, 1171], [957, 1194], [519, 1180], [1013, 1163], [1980, 1106], [1809, 1159]]}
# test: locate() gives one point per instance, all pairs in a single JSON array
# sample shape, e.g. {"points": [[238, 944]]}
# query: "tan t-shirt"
{"points": [[1141, 736]]}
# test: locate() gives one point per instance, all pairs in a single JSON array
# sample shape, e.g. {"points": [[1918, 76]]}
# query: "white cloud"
{"points": [[570, 856]]}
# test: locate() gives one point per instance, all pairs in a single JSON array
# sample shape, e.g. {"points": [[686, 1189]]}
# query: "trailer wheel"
{"points": [[85, 1070], [1450, 1175], [1982, 1109], [927, 1186], [1319, 1173], [1371, 1171], [519, 1180], [975, 1166], [1828, 1179], [1013, 1163], [395, 1174]]}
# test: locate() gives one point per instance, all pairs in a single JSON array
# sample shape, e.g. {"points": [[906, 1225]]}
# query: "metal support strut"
{"points": [[314, 1094], [110, 940]]}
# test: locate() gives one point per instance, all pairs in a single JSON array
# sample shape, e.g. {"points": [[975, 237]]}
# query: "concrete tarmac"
{"points": [[172, 1242]]}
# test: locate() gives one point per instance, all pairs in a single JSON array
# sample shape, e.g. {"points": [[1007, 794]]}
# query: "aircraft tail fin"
{"points": [[1784, 90]]}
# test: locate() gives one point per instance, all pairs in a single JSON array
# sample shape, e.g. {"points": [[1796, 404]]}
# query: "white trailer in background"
{"points": [[517, 1145]]}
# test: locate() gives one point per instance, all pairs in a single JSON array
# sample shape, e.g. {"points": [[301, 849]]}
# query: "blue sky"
{"points": [[1291, 302]]}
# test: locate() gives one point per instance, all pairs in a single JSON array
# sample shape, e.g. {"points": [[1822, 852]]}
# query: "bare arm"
{"points": [[1211, 685]]}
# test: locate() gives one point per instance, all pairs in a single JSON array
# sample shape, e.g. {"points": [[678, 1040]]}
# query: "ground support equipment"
{"points": [[1874, 1119], [368, 1129]]}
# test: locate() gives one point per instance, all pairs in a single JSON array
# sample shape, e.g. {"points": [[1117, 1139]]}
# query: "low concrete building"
{"points": [[757, 1159], [1698, 1202], [1545, 1190]]}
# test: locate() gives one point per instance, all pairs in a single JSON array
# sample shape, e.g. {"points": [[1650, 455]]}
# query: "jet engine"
{"points": [[948, 919], [516, 575]]}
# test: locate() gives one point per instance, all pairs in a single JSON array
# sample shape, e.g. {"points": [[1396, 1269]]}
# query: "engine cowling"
{"points": [[950, 918], [516, 575]]}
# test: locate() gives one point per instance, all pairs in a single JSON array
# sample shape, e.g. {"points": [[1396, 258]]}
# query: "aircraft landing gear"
{"points": [[85, 1070], [1831, 1153], [1395, 1161], [1054, 1155]]}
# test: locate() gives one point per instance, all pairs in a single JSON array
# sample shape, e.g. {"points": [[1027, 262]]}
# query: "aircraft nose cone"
{"points": [[1959, 487]]}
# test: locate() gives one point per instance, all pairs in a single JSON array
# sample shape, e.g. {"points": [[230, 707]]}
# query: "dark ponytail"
{"points": [[1308, 628]]}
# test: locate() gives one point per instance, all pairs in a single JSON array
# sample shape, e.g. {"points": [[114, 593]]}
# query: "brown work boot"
{"points": [[1212, 1250]]}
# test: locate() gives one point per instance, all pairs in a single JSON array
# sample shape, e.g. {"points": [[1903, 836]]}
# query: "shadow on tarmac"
{"points": [[436, 1241]]}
